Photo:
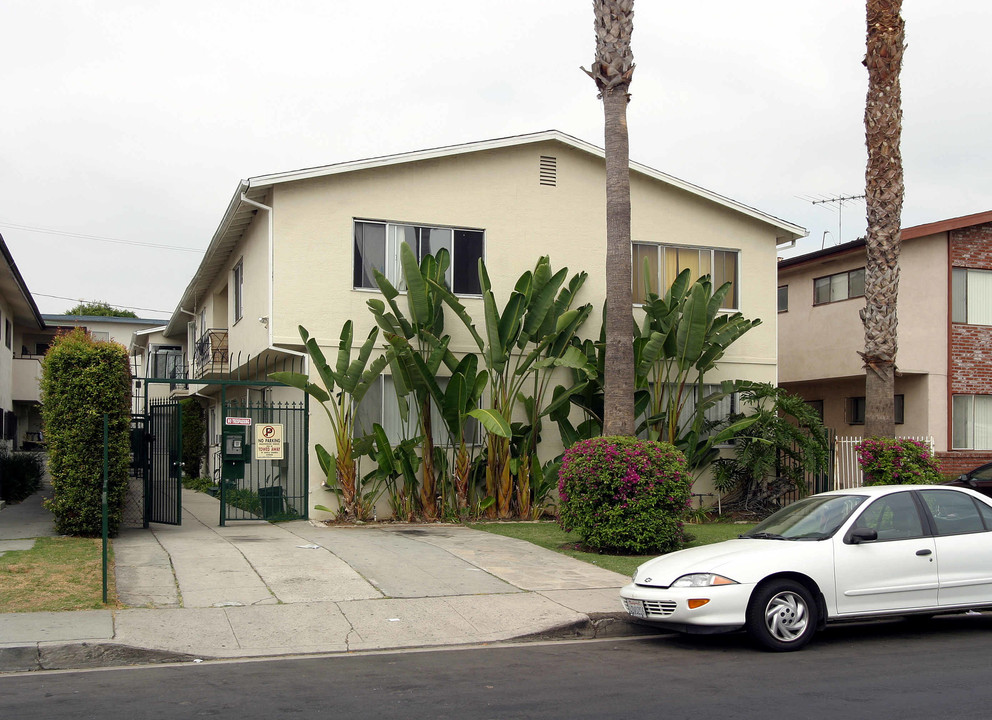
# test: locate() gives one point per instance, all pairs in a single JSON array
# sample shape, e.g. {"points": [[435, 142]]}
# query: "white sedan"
{"points": [[840, 555]]}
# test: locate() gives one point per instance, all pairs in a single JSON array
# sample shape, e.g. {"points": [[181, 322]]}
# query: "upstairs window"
{"points": [[377, 247], [971, 296], [840, 286], [783, 298], [657, 266], [239, 287]]}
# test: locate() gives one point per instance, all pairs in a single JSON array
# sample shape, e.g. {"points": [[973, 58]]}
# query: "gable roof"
{"points": [[910, 233], [239, 214], [15, 290]]}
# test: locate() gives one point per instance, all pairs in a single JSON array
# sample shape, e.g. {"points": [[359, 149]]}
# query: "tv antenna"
{"points": [[839, 201]]}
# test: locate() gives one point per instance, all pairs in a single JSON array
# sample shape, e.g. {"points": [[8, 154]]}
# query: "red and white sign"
{"points": [[237, 421]]}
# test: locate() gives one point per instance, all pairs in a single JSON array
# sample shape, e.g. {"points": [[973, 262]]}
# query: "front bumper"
{"points": [[669, 607]]}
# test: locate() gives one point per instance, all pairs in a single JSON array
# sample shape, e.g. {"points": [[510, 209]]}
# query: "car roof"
{"points": [[879, 490]]}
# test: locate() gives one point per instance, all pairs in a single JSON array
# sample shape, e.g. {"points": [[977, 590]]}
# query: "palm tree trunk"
{"points": [[612, 71], [884, 195]]}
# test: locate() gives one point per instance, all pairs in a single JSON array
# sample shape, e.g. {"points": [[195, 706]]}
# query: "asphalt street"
{"points": [[892, 669]]}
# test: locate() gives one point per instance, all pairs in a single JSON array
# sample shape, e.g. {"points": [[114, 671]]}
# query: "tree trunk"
{"points": [[884, 196], [612, 71], [618, 391]]}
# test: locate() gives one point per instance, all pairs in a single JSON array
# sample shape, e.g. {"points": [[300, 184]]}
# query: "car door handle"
{"points": [[924, 553]]}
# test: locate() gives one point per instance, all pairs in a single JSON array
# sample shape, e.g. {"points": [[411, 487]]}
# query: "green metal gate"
{"points": [[268, 488], [163, 481]]}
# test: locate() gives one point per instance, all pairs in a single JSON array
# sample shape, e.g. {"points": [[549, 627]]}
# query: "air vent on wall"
{"points": [[549, 171]]}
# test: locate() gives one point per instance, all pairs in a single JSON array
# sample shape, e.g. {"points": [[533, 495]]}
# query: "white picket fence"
{"points": [[847, 472]]}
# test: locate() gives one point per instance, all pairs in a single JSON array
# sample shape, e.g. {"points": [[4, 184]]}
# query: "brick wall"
{"points": [[957, 461], [970, 369]]}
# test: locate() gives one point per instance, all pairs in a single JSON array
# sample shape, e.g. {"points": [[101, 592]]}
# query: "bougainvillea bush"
{"points": [[885, 461], [625, 495]]}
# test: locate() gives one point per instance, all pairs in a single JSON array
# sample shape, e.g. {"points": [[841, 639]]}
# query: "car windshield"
{"points": [[815, 518]]}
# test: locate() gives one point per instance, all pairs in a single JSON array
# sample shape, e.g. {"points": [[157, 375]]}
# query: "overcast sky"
{"points": [[134, 121]]}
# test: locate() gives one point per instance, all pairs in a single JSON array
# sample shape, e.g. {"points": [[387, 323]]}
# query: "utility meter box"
{"points": [[234, 452]]}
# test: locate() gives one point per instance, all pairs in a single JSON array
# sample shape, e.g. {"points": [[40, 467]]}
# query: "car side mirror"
{"points": [[963, 477], [861, 535]]}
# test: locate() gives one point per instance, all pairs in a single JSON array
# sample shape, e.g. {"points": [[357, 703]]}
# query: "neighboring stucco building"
{"points": [[297, 248], [944, 362]]}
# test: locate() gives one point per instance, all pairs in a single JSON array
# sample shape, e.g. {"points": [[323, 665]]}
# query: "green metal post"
{"points": [[223, 423], [106, 472]]}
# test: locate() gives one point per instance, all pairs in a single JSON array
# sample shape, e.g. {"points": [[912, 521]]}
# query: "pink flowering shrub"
{"points": [[885, 461], [624, 494]]}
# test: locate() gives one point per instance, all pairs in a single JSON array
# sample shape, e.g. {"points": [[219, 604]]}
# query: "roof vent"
{"points": [[549, 171]]}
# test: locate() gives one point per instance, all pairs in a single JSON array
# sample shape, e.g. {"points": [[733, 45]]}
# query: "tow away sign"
{"points": [[268, 441]]}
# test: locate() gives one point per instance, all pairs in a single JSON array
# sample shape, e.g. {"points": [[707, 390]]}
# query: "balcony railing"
{"points": [[210, 356]]}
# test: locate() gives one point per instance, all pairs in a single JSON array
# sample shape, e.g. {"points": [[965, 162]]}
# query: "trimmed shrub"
{"points": [[885, 461], [20, 475], [194, 437], [81, 380], [624, 495]]}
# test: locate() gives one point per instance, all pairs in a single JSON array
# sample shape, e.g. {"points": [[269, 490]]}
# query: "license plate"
{"points": [[636, 608]]}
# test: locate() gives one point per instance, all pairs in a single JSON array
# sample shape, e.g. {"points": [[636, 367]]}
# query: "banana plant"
{"points": [[683, 336], [531, 335], [345, 385], [458, 402], [422, 330]]}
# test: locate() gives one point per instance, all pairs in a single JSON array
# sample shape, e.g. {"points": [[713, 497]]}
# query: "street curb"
{"points": [[596, 626], [77, 656]]}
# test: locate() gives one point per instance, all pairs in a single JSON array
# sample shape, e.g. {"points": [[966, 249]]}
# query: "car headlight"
{"points": [[702, 580]]}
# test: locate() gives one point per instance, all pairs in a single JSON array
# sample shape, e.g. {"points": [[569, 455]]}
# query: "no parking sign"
{"points": [[268, 441]]}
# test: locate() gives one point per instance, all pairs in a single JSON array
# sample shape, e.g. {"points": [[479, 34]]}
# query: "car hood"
{"points": [[741, 560]]}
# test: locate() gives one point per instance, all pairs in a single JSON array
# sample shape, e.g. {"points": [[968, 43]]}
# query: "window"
{"points": [[239, 286], [100, 336], [714, 416], [856, 408], [377, 247], [893, 517], [783, 298], [379, 405], [655, 268], [971, 296], [953, 512], [971, 422], [8, 333], [842, 286], [817, 407], [166, 361]]}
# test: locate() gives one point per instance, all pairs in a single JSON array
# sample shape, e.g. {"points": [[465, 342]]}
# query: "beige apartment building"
{"points": [[944, 362], [298, 248]]}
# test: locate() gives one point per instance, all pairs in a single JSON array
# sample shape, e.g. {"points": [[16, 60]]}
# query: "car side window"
{"points": [[893, 517], [954, 513], [986, 512], [982, 473]]}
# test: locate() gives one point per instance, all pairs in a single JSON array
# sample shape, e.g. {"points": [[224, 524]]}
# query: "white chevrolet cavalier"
{"points": [[841, 555]]}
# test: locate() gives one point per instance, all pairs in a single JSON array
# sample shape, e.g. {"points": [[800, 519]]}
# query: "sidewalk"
{"points": [[251, 589]]}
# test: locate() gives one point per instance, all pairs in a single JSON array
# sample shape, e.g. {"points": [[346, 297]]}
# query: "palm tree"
{"points": [[884, 193], [612, 71]]}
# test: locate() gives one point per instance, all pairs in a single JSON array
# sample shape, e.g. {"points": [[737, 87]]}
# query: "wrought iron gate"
{"points": [[163, 481], [269, 489]]}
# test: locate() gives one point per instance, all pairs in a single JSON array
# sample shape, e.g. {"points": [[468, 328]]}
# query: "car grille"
{"points": [[655, 608]]}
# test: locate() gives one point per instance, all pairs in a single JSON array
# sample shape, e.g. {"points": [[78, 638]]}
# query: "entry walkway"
{"points": [[255, 589]]}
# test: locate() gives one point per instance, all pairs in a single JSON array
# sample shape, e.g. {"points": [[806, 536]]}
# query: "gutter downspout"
{"points": [[271, 275]]}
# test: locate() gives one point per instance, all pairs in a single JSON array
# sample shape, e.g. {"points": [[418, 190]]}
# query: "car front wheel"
{"points": [[782, 615]]}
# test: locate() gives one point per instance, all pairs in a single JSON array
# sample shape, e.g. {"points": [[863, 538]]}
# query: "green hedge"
{"points": [[20, 474], [624, 495], [81, 380]]}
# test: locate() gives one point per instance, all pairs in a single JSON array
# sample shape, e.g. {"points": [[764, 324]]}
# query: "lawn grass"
{"points": [[549, 535], [58, 573]]}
